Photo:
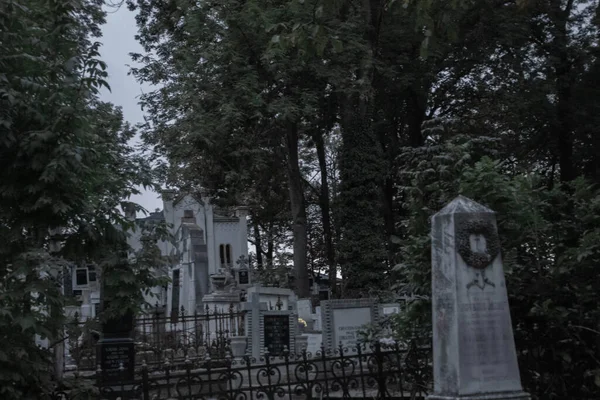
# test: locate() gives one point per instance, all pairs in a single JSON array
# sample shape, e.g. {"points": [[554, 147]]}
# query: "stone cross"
{"points": [[474, 353]]}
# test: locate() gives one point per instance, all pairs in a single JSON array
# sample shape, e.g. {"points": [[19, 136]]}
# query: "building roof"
{"points": [[153, 216]]}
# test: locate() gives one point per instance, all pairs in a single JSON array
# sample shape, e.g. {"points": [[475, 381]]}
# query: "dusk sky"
{"points": [[118, 41]]}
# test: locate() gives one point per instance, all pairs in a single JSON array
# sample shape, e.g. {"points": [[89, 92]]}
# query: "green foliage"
{"points": [[427, 100], [548, 241], [67, 166]]}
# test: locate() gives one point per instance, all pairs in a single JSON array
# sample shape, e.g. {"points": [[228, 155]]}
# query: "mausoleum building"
{"points": [[205, 240]]}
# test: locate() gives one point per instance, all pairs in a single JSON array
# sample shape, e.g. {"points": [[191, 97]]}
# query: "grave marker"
{"points": [[277, 333], [114, 354], [342, 319], [474, 354], [267, 328]]}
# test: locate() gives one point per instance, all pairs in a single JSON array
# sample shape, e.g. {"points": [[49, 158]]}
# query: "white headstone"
{"points": [[315, 340], [304, 308], [342, 319], [474, 353], [317, 319]]}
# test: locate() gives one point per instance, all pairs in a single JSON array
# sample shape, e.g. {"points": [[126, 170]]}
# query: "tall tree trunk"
{"points": [[563, 129], [362, 252], [388, 217], [416, 104], [298, 207], [270, 246], [324, 204], [258, 245]]}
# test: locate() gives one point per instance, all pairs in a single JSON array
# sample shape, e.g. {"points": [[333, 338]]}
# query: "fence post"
{"points": [[381, 387], [145, 388]]}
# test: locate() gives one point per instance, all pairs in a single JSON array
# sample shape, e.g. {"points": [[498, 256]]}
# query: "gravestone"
{"points": [[276, 333], [267, 328], [314, 342], [474, 353], [342, 319], [244, 277], [117, 360], [305, 312], [115, 350]]}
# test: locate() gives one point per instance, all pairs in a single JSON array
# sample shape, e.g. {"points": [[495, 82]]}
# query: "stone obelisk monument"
{"points": [[474, 353]]}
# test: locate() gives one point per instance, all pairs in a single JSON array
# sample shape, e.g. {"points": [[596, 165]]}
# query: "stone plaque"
{"points": [[113, 355], [277, 333], [389, 309], [346, 324], [342, 319], [243, 277]]}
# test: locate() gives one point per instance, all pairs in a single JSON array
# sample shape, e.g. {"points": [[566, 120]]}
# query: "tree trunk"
{"points": [[298, 208], [362, 252], [324, 203], [270, 246], [258, 245], [563, 130], [416, 116]]}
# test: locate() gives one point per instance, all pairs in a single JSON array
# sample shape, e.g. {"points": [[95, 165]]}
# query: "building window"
{"points": [[225, 255], [91, 273], [228, 254], [175, 295], [188, 214], [81, 276]]}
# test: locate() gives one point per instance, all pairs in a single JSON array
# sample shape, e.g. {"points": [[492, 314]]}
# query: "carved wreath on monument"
{"points": [[479, 260]]}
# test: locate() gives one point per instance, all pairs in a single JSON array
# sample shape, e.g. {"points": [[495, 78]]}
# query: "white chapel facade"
{"points": [[205, 240]]}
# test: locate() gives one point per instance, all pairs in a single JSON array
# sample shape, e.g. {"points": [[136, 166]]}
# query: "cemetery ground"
{"points": [[254, 348]]}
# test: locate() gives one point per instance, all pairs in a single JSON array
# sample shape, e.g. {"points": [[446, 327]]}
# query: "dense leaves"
{"points": [[347, 125], [67, 166]]}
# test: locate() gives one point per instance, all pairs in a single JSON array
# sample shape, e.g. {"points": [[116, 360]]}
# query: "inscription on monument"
{"points": [[347, 322], [277, 333], [113, 355], [487, 332]]}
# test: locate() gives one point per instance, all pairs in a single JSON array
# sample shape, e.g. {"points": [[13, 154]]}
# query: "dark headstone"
{"points": [[277, 333], [117, 360], [243, 275]]}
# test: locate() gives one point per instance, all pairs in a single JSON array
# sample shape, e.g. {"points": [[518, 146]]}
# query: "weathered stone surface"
{"points": [[342, 319], [473, 344]]}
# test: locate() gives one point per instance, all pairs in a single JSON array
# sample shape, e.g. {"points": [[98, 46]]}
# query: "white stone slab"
{"points": [[315, 340], [346, 324], [342, 319]]}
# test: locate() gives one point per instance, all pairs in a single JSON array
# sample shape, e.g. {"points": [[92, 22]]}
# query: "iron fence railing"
{"points": [[376, 371], [158, 338]]}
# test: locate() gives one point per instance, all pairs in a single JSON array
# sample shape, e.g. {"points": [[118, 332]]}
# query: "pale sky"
{"points": [[118, 41]]}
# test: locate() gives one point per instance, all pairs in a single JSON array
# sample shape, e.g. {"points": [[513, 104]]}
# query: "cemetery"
{"points": [[299, 199], [254, 346]]}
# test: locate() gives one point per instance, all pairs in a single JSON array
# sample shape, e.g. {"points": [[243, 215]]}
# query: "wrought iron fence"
{"points": [[159, 338], [377, 371]]}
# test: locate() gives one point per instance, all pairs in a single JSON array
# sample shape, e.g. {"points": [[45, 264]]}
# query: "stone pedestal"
{"points": [[301, 343], [474, 353], [221, 302]]}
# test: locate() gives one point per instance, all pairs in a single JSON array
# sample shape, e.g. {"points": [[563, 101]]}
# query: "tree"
{"points": [[66, 167]]}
